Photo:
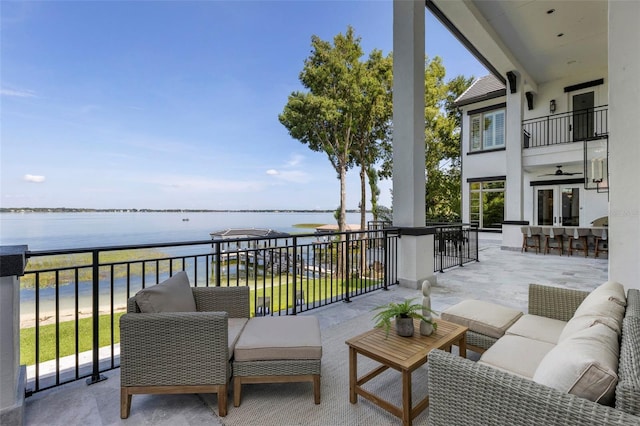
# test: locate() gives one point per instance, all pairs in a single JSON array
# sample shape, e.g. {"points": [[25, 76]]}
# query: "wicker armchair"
{"points": [[463, 392], [180, 352]]}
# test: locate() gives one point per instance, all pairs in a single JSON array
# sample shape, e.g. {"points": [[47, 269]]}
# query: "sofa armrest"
{"points": [[234, 300], [554, 302], [172, 349], [463, 392]]}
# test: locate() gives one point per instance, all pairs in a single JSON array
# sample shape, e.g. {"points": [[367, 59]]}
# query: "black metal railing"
{"points": [[566, 127], [454, 245], [71, 300]]}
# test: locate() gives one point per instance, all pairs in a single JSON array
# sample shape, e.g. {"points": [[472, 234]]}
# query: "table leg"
{"points": [[406, 398], [462, 345], [353, 375]]}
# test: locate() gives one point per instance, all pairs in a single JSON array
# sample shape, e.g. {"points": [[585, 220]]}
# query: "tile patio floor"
{"points": [[501, 276]]}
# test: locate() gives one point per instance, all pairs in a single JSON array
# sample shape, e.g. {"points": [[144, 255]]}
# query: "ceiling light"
{"points": [[560, 35], [550, 11]]}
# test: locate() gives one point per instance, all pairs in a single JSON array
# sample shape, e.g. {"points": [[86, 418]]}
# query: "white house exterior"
{"points": [[558, 186], [541, 51]]}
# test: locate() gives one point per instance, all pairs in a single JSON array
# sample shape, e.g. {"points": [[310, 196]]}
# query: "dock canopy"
{"points": [[334, 228], [247, 233]]}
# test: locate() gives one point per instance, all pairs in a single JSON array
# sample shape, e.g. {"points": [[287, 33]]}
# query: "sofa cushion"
{"points": [[286, 337], [538, 328], [584, 364], [576, 324], [516, 354], [235, 327], [482, 317], [172, 295]]}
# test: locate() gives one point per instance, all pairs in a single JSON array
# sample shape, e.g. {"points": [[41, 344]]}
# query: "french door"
{"points": [[583, 116], [558, 205]]}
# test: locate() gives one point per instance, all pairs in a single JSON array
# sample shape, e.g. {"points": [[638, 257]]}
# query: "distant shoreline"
{"points": [[87, 210]]}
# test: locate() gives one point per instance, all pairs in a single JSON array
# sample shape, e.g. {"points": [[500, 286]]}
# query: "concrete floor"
{"points": [[501, 276]]}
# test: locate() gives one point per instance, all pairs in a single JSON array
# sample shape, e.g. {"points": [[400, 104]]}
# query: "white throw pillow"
{"points": [[578, 323], [584, 365], [172, 295]]}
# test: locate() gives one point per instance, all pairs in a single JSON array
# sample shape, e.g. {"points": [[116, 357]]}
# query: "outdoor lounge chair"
{"points": [[182, 352]]}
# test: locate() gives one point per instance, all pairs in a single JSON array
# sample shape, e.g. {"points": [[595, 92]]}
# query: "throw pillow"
{"points": [[172, 295], [584, 365]]}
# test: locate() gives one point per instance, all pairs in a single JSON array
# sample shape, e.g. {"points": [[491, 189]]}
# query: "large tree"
{"points": [[324, 117]]}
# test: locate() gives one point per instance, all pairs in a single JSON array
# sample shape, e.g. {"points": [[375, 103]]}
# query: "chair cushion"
{"points": [[235, 327], [172, 295], [482, 317], [610, 291], [538, 328], [281, 338], [516, 354], [584, 364]]}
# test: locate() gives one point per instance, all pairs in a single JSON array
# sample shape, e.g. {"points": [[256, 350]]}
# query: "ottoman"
{"points": [[277, 350], [487, 322]]}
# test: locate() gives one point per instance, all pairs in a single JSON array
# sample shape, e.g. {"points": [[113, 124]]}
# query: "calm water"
{"points": [[47, 231]]}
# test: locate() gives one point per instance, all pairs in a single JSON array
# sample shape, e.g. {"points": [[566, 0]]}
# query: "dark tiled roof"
{"points": [[487, 87]]}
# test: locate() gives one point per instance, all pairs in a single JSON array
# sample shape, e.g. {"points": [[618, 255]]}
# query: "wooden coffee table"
{"points": [[404, 354]]}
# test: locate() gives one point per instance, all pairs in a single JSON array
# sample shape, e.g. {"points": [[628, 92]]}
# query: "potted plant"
{"points": [[403, 313]]}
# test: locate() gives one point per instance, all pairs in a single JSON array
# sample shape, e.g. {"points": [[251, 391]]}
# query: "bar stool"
{"points": [[600, 237], [550, 234], [530, 238], [580, 235]]}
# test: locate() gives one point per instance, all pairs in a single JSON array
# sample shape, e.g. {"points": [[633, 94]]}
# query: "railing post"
{"points": [[548, 128], [385, 250], [459, 238], [345, 264], [95, 375], [441, 247], [218, 260], [295, 274]]}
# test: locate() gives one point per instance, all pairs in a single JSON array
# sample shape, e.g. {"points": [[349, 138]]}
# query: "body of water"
{"points": [[51, 231]]}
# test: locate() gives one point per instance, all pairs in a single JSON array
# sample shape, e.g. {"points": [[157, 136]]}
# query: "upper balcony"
{"points": [[566, 127]]}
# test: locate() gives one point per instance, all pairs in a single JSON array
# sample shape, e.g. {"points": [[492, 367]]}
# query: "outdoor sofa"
{"points": [[505, 388]]}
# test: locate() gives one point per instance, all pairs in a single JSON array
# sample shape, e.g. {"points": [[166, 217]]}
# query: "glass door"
{"points": [[558, 205]]}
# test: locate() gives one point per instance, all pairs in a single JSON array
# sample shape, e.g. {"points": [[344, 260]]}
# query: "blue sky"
{"points": [[174, 104]]}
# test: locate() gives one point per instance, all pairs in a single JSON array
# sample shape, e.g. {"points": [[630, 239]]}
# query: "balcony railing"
{"points": [[454, 245], [573, 126], [71, 300]]}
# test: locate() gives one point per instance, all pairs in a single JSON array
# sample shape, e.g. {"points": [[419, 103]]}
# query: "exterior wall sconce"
{"points": [[552, 106]]}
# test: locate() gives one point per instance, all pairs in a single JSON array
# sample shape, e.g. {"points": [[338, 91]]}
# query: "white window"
{"points": [[491, 134]]}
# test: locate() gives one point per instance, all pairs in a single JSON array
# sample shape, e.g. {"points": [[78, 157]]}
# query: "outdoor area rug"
{"points": [[292, 403]]}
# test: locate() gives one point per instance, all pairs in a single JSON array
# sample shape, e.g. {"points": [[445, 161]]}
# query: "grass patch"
{"points": [[67, 338], [66, 265], [308, 225]]}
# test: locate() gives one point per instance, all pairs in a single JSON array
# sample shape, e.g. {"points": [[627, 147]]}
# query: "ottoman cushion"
{"points": [[275, 338], [482, 317]]}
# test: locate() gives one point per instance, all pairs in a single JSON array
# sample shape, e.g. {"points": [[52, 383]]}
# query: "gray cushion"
{"points": [[277, 338], [517, 355], [172, 295]]}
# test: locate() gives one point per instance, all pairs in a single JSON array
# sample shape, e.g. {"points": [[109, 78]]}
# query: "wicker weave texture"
{"points": [[633, 303], [277, 367], [480, 340], [462, 392], [554, 302], [628, 389], [173, 349], [233, 300]]}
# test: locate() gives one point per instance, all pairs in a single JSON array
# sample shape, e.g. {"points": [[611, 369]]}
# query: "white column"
{"points": [[624, 142], [513, 143], [12, 264], [415, 252]]}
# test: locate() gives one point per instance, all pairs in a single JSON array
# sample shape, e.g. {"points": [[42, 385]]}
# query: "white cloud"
{"points": [[34, 178], [17, 93], [295, 176], [273, 172], [295, 160]]}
